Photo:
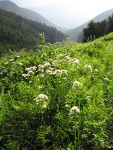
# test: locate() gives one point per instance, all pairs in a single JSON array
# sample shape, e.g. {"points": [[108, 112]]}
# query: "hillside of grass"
{"points": [[59, 97]]}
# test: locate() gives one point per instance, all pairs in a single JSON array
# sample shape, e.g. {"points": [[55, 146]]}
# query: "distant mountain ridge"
{"points": [[76, 34], [26, 13]]}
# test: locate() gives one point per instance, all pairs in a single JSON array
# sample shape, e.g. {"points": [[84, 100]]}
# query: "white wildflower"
{"points": [[25, 75], [55, 63], [64, 72], [60, 55], [42, 75], [27, 69], [77, 84], [74, 109], [40, 67], [30, 72], [67, 105], [41, 97], [106, 79], [76, 61], [44, 106], [67, 57], [89, 67], [47, 64], [57, 72], [96, 70], [51, 69], [39, 87], [33, 68], [49, 72]]}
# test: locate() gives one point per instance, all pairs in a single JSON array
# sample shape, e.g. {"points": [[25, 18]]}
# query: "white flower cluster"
{"points": [[89, 67], [55, 63], [67, 105], [41, 97], [72, 60], [60, 55], [30, 71], [67, 58], [77, 84], [57, 72], [42, 100], [48, 67], [74, 110], [75, 61], [47, 64], [26, 76], [42, 67], [96, 70]]}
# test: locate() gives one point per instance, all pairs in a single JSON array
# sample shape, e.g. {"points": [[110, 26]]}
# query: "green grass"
{"points": [[65, 74]]}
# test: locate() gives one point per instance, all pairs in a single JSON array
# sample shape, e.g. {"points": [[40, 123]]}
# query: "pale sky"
{"points": [[86, 9]]}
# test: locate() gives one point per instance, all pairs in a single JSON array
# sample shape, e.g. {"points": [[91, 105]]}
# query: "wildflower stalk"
{"points": [[79, 103], [75, 134]]}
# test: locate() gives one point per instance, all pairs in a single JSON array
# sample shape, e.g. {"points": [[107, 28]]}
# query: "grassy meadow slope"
{"points": [[58, 98]]}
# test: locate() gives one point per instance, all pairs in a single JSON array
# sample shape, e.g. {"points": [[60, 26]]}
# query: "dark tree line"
{"points": [[17, 32], [97, 29]]}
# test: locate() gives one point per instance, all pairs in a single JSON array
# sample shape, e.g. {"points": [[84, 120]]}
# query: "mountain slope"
{"points": [[76, 34], [26, 13], [17, 32]]}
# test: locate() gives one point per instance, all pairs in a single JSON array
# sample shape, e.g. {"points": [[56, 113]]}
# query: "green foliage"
{"points": [[58, 97], [95, 30]]}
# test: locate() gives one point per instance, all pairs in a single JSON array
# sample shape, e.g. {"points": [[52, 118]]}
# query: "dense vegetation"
{"points": [[59, 97], [98, 29], [17, 32]]}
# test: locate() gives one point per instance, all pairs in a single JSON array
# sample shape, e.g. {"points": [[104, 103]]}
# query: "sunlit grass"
{"points": [[59, 97]]}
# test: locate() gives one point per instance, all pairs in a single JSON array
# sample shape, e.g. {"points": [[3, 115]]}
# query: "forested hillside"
{"points": [[23, 12], [76, 34], [97, 29], [17, 32]]}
